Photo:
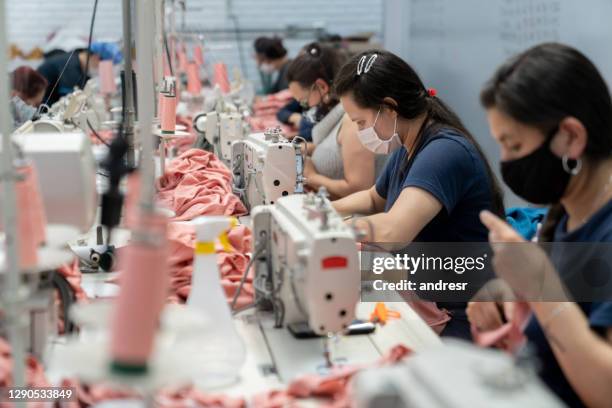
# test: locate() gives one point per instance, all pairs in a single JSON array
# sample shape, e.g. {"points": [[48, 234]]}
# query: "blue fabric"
{"points": [[525, 220], [449, 167], [597, 229], [107, 51]]}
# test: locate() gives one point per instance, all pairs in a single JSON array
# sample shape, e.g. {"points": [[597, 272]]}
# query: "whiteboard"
{"points": [[456, 45]]}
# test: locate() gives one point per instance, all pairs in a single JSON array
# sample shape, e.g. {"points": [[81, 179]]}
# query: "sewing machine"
{"points": [[67, 174], [265, 167], [80, 110], [457, 375], [222, 126], [306, 263]]}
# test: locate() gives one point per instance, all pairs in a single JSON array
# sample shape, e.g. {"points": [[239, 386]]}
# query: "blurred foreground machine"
{"points": [[456, 375], [265, 167], [306, 263]]}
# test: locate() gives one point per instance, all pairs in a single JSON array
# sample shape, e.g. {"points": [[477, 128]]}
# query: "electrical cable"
{"points": [[91, 27], [104, 142], [167, 48]]}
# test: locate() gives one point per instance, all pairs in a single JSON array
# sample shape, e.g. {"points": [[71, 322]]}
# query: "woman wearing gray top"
{"points": [[339, 162]]}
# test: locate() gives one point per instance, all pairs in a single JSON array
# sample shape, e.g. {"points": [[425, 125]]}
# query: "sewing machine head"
{"points": [[306, 266], [221, 129], [266, 166]]}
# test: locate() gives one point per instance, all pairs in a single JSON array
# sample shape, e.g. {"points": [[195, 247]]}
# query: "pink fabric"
{"points": [[435, 317], [335, 387], [198, 55], [508, 337], [221, 78], [144, 286], [194, 85], [198, 183], [107, 77], [35, 375], [232, 265], [264, 112]]}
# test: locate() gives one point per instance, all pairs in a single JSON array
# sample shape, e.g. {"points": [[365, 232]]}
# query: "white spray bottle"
{"points": [[222, 347]]}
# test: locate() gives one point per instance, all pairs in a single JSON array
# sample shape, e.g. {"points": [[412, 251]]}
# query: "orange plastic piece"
{"points": [[382, 314]]}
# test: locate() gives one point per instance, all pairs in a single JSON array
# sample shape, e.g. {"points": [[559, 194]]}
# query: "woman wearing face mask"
{"points": [[436, 180], [28, 90], [338, 162], [551, 113], [272, 61]]}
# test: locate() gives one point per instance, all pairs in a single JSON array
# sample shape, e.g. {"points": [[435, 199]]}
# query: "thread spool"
{"points": [[107, 78], [144, 285], [198, 55], [168, 114], [221, 78], [182, 58], [194, 85], [31, 219]]}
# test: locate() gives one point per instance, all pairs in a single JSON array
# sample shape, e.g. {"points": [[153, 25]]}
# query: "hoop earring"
{"points": [[577, 167]]}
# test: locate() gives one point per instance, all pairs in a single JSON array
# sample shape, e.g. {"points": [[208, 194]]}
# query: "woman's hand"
{"points": [[310, 173], [493, 303], [295, 119], [524, 266]]}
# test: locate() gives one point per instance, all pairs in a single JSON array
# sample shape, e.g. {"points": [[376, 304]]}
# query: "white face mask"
{"points": [[266, 68], [370, 139]]}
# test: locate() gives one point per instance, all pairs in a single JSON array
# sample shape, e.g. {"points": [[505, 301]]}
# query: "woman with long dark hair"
{"points": [[436, 180], [550, 110], [338, 162]]}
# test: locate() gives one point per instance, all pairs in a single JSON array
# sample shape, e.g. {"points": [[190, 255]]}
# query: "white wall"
{"points": [[31, 21]]}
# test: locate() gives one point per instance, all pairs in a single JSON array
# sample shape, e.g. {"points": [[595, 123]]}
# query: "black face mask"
{"points": [[538, 177]]}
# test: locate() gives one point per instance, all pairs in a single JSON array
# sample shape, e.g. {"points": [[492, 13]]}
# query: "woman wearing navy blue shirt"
{"points": [[551, 113], [436, 180]]}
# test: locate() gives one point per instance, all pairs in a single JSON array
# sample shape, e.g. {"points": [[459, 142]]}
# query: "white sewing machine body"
{"points": [[67, 175], [222, 127], [456, 375], [266, 167], [80, 110], [310, 270]]}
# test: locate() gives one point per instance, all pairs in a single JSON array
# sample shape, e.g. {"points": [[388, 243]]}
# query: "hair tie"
{"points": [[313, 51], [432, 92]]}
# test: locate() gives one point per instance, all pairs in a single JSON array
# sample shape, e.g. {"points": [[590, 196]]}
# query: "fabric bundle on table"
{"points": [[198, 183], [265, 110], [334, 388]]}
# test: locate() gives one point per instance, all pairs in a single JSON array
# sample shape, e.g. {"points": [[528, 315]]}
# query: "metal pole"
{"points": [[128, 109], [13, 277], [144, 59]]}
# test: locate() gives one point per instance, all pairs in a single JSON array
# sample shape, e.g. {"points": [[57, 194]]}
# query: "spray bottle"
{"points": [[223, 348]]}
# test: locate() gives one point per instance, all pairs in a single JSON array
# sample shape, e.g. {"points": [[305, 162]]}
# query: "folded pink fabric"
{"points": [[334, 388], [264, 112], [198, 183], [508, 337]]}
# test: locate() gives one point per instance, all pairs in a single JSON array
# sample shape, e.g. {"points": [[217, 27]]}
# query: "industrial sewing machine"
{"points": [[80, 110], [306, 263], [265, 167], [222, 126], [456, 375]]}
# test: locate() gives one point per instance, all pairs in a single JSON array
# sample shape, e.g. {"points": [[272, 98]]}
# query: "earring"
{"points": [[577, 167]]}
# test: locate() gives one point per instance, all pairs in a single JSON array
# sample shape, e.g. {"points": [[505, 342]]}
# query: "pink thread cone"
{"points": [[194, 85], [198, 55], [144, 284], [31, 218], [221, 78], [168, 114], [107, 78], [182, 59]]}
